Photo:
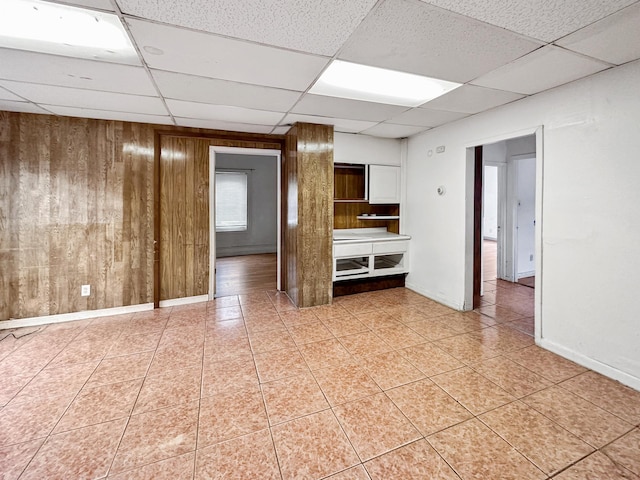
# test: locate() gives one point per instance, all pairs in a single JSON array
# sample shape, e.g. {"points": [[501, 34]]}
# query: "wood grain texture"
{"points": [[75, 208], [346, 215], [309, 214], [349, 182]]}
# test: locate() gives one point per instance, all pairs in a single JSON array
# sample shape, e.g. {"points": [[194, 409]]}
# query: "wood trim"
{"points": [[477, 226], [350, 287], [156, 219]]}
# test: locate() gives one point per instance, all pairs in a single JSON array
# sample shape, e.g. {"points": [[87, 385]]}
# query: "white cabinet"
{"points": [[363, 149], [384, 184], [369, 259]]}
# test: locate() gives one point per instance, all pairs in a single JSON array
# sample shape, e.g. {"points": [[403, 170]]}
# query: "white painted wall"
{"points": [[490, 203], [525, 191], [589, 272], [261, 235]]}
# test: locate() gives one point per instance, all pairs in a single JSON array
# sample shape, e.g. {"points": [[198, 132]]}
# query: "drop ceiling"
{"points": [[248, 65]]}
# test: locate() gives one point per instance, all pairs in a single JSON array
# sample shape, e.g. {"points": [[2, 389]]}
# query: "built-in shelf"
{"points": [[350, 200], [378, 217]]}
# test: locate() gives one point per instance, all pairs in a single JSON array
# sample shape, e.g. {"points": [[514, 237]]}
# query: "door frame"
{"points": [[213, 150]]}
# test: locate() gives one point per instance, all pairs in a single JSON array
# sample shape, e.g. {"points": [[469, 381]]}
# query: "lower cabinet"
{"points": [[371, 259]]}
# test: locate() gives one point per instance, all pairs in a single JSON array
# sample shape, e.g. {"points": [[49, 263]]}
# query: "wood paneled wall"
{"points": [[76, 207], [346, 215], [184, 211], [308, 213]]}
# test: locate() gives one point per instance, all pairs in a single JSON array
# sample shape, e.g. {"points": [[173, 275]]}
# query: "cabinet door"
{"points": [[384, 184]]}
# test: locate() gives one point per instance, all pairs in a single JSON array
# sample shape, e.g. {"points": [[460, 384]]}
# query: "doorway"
{"points": [[245, 232]]}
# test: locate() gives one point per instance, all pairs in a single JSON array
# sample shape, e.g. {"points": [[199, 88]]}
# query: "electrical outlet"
{"points": [[440, 149], [85, 290]]}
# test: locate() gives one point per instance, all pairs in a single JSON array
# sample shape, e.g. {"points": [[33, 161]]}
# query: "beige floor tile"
{"points": [[136, 343], [547, 445], [15, 458], [345, 383], [176, 468], [326, 312], [430, 359], [250, 456], [293, 397], [465, 323], [83, 453], [596, 466], [10, 385], [101, 403], [472, 390], [545, 363], [512, 377], [466, 348], [400, 336], [595, 426], [30, 419], [354, 473], [502, 339], [224, 313], [226, 376], [269, 340], [432, 328], [374, 318], [428, 407], [364, 421], [345, 325], [157, 435], [121, 369], [218, 349], [58, 380], [390, 370], [298, 317], [230, 415], [474, 451], [312, 447], [263, 322], [278, 364], [166, 390], [328, 353], [175, 358], [626, 451], [607, 394], [364, 344], [309, 332], [416, 461]]}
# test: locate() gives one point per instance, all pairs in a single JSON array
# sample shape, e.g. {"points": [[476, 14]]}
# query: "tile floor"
{"points": [[384, 385]]}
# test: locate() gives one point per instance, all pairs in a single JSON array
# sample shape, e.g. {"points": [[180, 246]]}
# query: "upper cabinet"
{"points": [[365, 150], [349, 182], [384, 184]]}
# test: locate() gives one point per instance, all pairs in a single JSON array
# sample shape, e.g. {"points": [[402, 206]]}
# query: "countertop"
{"points": [[364, 235]]}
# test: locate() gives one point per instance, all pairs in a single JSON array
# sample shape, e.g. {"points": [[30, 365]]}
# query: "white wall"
{"points": [[525, 190], [490, 203], [261, 235], [590, 269]]}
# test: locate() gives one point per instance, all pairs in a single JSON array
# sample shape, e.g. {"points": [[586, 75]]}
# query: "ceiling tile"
{"points": [[613, 39], [208, 55], [7, 95], [345, 108], [391, 130], [205, 111], [89, 99], [99, 4], [426, 117], [25, 107], [472, 99], [223, 92], [340, 124], [545, 20], [545, 68], [419, 38], [109, 115], [280, 130], [298, 25], [223, 125], [74, 72]]}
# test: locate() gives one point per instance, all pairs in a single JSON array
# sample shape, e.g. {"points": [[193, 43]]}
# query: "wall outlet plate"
{"points": [[85, 290]]}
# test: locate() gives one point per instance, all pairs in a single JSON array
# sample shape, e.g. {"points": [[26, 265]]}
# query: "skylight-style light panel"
{"points": [[373, 84], [64, 30]]}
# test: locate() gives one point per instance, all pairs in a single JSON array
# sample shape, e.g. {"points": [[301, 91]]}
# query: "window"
{"points": [[231, 201]]}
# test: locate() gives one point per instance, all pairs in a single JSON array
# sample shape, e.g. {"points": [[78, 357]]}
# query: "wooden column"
{"points": [[308, 214]]}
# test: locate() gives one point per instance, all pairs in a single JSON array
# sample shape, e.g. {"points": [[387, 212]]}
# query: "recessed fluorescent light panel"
{"points": [[379, 85], [64, 30]]}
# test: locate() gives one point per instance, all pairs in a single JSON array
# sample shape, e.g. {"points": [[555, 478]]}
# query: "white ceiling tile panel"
{"points": [[545, 20], [280, 130], [425, 117], [312, 26], [345, 108], [615, 39], [472, 99], [89, 99], [545, 68], [212, 56], [223, 125], [391, 130], [109, 115], [419, 38], [223, 92], [74, 72], [205, 111], [25, 107], [340, 124], [7, 95], [99, 4]]}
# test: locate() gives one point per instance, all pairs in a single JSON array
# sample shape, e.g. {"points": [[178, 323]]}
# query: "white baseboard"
{"points": [[595, 365], [69, 317], [183, 301], [432, 296], [525, 274]]}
